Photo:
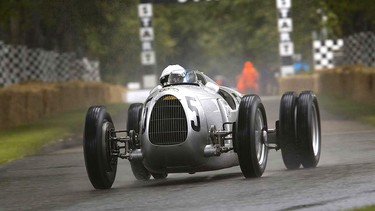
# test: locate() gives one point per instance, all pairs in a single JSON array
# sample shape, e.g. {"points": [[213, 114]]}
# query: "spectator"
{"points": [[247, 81]]}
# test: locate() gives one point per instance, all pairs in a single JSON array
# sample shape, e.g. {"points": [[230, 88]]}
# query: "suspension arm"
{"points": [[127, 147]]}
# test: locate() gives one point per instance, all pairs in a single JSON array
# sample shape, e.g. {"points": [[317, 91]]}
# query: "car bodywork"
{"points": [[176, 122]]}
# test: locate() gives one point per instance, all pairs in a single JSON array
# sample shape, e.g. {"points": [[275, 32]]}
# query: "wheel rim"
{"points": [[112, 161], [260, 147], [315, 131]]}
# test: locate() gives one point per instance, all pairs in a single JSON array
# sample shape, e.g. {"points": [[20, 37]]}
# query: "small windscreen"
{"points": [[182, 76]]}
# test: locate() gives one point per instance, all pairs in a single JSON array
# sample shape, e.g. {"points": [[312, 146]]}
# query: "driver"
{"points": [[167, 71]]}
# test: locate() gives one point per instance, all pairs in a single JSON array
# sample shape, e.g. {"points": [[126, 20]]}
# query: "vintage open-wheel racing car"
{"points": [[190, 124]]}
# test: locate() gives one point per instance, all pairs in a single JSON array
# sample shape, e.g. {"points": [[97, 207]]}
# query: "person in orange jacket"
{"points": [[247, 81]]}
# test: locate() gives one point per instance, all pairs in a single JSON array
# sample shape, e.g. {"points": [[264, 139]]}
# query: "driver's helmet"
{"points": [[165, 74]]}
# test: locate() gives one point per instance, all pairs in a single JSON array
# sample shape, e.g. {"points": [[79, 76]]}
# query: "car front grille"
{"points": [[168, 124]]}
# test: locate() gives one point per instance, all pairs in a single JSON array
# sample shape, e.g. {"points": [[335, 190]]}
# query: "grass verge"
{"points": [[369, 208], [361, 111], [27, 139]]}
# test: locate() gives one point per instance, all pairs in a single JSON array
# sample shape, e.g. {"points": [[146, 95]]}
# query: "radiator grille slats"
{"points": [[168, 124]]}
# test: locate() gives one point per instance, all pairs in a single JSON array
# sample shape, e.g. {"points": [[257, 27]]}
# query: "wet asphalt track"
{"points": [[345, 178]]}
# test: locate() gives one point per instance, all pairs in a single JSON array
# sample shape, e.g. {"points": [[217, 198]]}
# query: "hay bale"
{"points": [[27, 102], [51, 100], [354, 82], [362, 89], [4, 108], [116, 94], [34, 105], [330, 83], [80, 94], [372, 87], [107, 93], [65, 99], [18, 107], [299, 83], [100, 94]]}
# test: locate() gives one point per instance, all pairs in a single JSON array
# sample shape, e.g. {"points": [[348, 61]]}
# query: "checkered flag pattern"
{"points": [[360, 49], [324, 52], [19, 64], [10, 64]]}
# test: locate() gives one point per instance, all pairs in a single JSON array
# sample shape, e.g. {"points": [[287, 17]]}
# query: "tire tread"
{"points": [[288, 139]]}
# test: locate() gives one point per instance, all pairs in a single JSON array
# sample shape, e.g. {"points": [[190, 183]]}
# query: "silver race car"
{"points": [[190, 124]]}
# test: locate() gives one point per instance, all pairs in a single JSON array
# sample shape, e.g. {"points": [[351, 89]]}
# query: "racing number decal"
{"points": [[196, 126]]}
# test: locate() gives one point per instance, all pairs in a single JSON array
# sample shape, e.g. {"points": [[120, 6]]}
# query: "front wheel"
{"points": [[101, 165], [251, 136]]}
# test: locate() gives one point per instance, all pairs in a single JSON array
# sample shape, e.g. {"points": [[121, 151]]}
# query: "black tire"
{"points": [[139, 171], [251, 124], [158, 176], [134, 118], [288, 138], [101, 166], [308, 129]]}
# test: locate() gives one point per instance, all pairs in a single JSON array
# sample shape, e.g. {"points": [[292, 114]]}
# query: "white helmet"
{"points": [[167, 71]]}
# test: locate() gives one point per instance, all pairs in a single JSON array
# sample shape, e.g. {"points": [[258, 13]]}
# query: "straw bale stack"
{"points": [[300, 83], [20, 104], [353, 82]]}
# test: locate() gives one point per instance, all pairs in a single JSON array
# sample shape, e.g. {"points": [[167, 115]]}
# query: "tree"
{"points": [[104, 30], [224, 35], [349, 17], [216, 37]]}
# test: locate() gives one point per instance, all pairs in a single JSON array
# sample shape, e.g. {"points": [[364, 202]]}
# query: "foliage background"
{"points": [[215, 37]]}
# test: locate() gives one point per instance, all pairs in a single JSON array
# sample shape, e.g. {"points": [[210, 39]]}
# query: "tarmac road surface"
{"points": [[345, 178]]}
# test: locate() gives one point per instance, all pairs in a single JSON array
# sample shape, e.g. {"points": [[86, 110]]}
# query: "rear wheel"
{"points": [[134, 117], [101, 165], [251, 136], [288, 139], [308, 129]]}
